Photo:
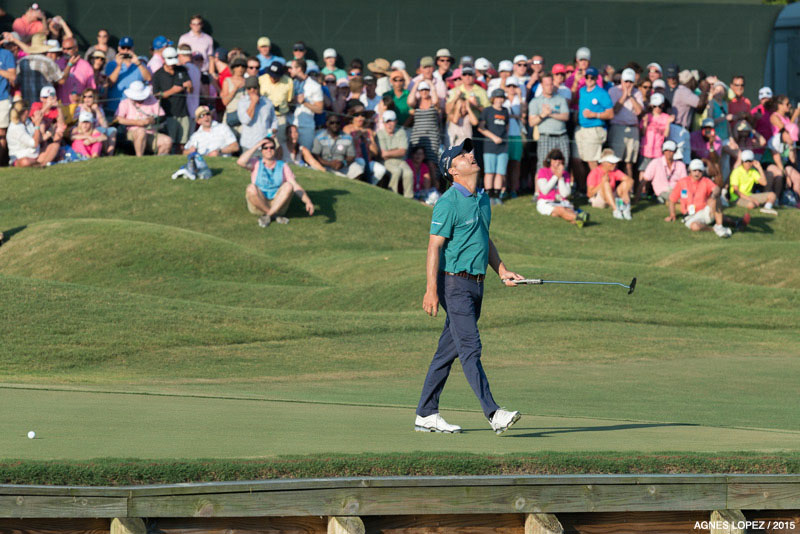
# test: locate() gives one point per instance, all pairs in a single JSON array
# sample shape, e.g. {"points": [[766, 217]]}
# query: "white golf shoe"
{"points": [[617, 214], [435, 423], [722, 231], [503, 419]]}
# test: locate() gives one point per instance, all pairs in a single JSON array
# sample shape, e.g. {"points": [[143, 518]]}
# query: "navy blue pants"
{"points": [[461, 299]]}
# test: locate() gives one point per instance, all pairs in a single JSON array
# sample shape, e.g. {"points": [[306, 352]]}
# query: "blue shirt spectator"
{"points": [[131, 69], [6, 63], [263, 121], [265, 57], [594, 98]]}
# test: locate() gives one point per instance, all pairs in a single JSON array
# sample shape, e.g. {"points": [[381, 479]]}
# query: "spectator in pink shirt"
{"points": [[426, 73], [140, 112], [80, 74], [663, 173], [31, 22], [655, 126], [201, 42], [86, 139], [762, 113]]}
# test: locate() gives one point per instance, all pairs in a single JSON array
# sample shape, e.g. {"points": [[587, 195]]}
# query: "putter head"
{"points": [[632, 286]]}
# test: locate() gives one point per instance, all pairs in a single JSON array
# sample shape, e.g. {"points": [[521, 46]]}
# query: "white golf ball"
{"points": [[31, 434]]}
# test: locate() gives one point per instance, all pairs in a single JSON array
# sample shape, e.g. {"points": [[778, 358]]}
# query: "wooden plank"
{"points": [[635, 523], [452, 500], [744, 496], [775, 521], [239, 525], [67, 507], [54, 526], [66, 491], [445, 524]]}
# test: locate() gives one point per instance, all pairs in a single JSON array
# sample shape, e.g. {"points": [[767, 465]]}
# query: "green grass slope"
{"points": [[116, 279]]}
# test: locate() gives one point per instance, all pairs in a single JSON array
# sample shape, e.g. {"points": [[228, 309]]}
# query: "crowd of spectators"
{"points": [[558, 131]]}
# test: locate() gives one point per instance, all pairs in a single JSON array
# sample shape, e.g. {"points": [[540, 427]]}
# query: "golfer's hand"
{"points": [[509, 278], [430, 303]]}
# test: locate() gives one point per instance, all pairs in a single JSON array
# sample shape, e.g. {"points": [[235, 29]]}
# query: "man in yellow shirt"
{"points": [[470, 91], [279, 88], [744, 178]]}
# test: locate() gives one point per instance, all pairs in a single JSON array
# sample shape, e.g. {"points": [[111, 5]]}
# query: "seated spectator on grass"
{"points": [[171, 85], [749, 174], [334, 150], [308, 102], [26, 138], [52, 115], [272, 183], [655, 126], [211, 138], [663, 173], [780, 157], [141, 113], [697, 197], [201, 42], [296, 154], [86, 139], [329, 56], [393, 143], [608, 186], [623, 133], [109, 52], [123, 72], [88, 103], [365, 145], [554, 185], [493, 125], [256, 114], [79, 73], [460, 120], [36, 70], [157, 59], [265, 56]]}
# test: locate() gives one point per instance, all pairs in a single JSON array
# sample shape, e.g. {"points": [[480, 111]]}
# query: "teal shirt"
{"points": [[463, 220], [339, 73]]}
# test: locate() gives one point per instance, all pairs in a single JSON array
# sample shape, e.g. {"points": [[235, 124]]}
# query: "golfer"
{"points": [[458, 252]]}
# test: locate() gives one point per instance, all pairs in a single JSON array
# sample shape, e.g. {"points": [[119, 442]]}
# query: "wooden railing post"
{"points": [[727, 522], [543, 524], [346, 525], [128, 525]]}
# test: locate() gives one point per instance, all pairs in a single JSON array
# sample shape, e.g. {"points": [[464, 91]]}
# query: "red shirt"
{"points": [[52, 114], [689, 191], [596, 177]]}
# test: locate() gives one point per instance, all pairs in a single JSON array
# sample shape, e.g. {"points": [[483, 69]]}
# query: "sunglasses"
{"points": [[330, 81], [646, 86], [334, 123], [537, 62], [444, 60], [268, 147], [590, 76], [204, 114], [298, 48], [397, 79], [252, 67], [737, 85], [522, 64]]}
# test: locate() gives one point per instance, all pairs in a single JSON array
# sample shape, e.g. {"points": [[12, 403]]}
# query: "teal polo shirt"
{"points": [[463, 219]]}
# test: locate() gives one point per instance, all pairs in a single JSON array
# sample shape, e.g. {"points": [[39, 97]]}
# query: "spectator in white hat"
{"points": [[654, 71], [444, 64], [482, 66], [749, 174], [393, 143], [49, 115], [663, 173], [577, 79], [521, 74], [533, 85], [211, 138], [659, 86], [697, 196], [86, 139], [655, 126], [201, 42], [762, 113], [623, 133], [140, 112], [608, 186], [329, 56], [426, 66], [171, 84], [504, 70]]}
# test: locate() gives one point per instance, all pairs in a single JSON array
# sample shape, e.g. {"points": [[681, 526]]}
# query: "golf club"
{"points": [[534, 281]]}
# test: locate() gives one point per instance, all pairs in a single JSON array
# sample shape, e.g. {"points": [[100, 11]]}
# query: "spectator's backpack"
{"points": [[196, 167]]}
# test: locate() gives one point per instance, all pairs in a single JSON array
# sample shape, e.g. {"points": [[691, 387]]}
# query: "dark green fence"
{"points": [[719, 38]]}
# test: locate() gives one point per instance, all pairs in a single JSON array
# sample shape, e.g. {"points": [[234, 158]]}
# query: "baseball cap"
{"points": [[591, 71], [628, 75], [398, 64], [299, 46], [519, 58], [311, 66], [170, 56], [764, 92], [608, 156], [423, 85], [558, 68], [184, 50], [126, 42], [697, 165], [512, 80], [87, 116], [159, 42], [451, 153], [659, 84], [329, 52], [707, 123], [482, 64], [275, 69], [98, 53], [466, 60], [671, 72], [200, 110], [583, 53], [46, 91], [498, 93], [656, 65], [444, 52], [670, 145], [685, 76], [468, 70], [53, 45], [747, 155], [505, 66], [342, 82], [389, 115], [263, 41], [656, 99], [369, 78], [426, 61], [251, 82], [220, 52]]}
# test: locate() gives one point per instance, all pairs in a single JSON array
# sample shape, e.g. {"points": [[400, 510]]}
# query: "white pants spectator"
{"points": [[358, 167]]}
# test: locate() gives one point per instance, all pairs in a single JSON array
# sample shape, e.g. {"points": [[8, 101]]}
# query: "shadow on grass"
{"points": [[7, 234], [603, 428], [760, 225], [325, 202]]}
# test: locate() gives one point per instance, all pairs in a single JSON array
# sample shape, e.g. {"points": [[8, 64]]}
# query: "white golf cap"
{"points": [[656, 99], [659, 84], [389, 116], [520, 58], [670, 145], [85, 116], [505, 66], [608, 156], [170, 55], [443, 52], [512, 80], [423, 85], [398, 64], [764, 92], [747, 155], [47, 91], [656, 65], [628, 75], [583, 53], [482, 64], [53, 45], [697, 165], [329, 52]]}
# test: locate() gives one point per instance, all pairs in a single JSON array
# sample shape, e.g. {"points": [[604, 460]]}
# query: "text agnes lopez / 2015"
{"points": [[745, 525]]}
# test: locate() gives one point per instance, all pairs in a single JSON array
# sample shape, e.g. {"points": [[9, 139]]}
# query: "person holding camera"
{"points": [[126, 69]]}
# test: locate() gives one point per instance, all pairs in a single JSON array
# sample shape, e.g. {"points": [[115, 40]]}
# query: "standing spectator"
{"points": [[171, 84], [232, 91], [577, 80], [79, 73], [554, 185], [426, 74], [35, 70], [123, 72], [516, 118], [493, 125], [210, 138], [698, 196], [381, 69], [425, 132], [682, 96], [719, 110], [334, 150], [370, 98], [476, 95], [141, 112], [656, 128], [157, 59], [256, 114], [98, 62], [309, 102], [8, 75], [683, 140], [31, 22], [549, 113], [26, 137], [393, 143], [594, 110], [762, 113], [646, 88], [739, 106], [193, 94], [608, 186], [400, 96], [221, 66], [504, 70], [460, 120], [280, 90], [299, 50], [534, 84], [88, 103], [521, 74], [654, 72], [623, 135], [201, 42], [265, 56], [663, 173], [102, 46], [330, 56], [444, 62], [705, 141], [86, 139]]}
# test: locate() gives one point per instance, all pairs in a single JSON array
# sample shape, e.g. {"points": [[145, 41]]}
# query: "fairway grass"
{"points": [[150, 318]]}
